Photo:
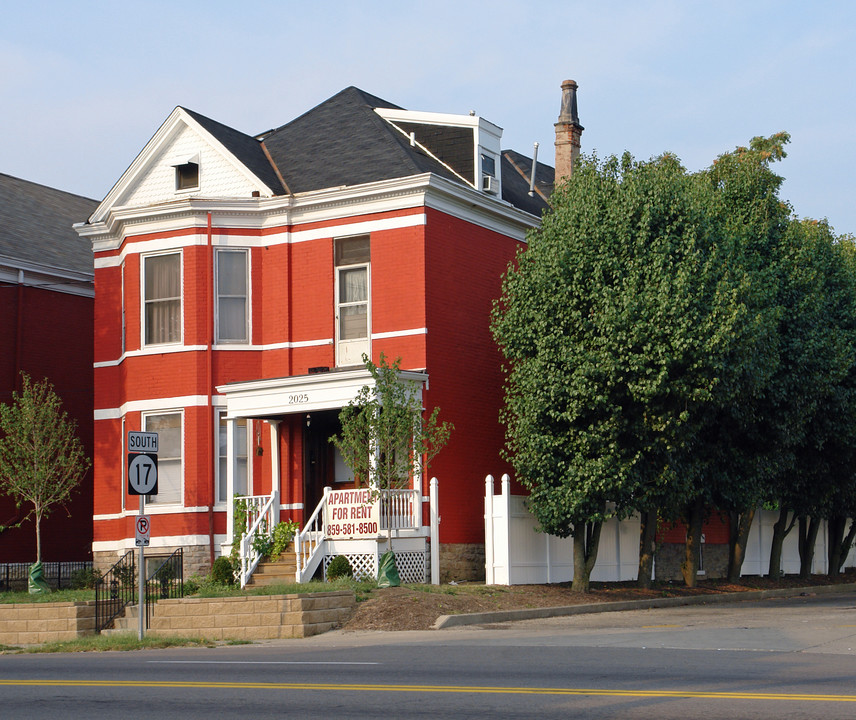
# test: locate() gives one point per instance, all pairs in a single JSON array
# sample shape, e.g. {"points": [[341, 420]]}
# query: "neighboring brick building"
{"points": [[239, 279], [46, 306]]}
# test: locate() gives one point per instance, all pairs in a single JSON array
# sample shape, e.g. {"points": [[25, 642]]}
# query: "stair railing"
{"points": [[309, 542], [114, 590], [167, 581], [261, 520]]}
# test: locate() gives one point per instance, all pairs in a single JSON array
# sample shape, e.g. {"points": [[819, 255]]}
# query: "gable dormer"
{"points": [[469, 145], [192, 156]]}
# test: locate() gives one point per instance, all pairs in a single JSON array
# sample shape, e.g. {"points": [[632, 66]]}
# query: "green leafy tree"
{"points": [[618, 323], [386, 438], [41, 458]]}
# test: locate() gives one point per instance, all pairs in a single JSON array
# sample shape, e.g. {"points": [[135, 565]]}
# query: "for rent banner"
{"points": [[351, 514]]}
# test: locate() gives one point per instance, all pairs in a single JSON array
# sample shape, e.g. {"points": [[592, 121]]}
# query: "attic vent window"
{"points": [[187, 176]]}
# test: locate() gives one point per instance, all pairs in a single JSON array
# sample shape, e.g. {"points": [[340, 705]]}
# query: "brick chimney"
{"points": [[568, 132]]}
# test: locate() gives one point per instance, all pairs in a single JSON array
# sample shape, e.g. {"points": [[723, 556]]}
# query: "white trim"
{"points": [[151, 405], [399, 333], [327, 205], [151, 510], [291, 506], [153, 504], [45, 277], [162, 350], [157, 542], [174, 343], [248, 330], [243, 242]]}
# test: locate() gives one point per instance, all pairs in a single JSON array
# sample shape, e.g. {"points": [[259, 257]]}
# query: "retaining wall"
{"points": [[257, 617], [32, 623]]}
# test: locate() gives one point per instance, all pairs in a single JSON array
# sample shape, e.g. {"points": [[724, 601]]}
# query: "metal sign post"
{"points": [[142, 481]]}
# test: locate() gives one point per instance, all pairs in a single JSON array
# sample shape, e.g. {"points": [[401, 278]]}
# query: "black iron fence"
{"points": [[59, 575], [114, 590], [167, 581]]}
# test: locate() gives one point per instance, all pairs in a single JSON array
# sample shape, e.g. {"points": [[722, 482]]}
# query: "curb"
{"points": [[448, 621]]}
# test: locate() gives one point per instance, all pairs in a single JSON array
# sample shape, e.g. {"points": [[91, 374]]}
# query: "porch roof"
{"points": [[275, 397]]}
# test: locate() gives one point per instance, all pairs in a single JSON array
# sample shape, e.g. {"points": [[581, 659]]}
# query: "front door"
{"points": [[319, 456]]}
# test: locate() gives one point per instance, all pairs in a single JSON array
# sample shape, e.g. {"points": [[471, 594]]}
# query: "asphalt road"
{"points": [[771, 659]]}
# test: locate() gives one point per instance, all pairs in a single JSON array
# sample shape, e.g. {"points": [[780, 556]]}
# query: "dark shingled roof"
{"points": [[36, 225], [516, 171], [344, 142], [247, 149]]}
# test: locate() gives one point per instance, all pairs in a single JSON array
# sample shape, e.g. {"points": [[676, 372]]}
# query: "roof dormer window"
{"points": [[490, 183], [187, 176]]}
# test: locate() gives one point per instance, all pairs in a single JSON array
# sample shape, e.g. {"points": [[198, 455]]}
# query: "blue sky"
{"points": [[84, 85]]}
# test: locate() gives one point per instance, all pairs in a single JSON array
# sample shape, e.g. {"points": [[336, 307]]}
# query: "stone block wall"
{"points": [[461, 561], [670, 556], [196, 558], [260, 617], [33, 623]]}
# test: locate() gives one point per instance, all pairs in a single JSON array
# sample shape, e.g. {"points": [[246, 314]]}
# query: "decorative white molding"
{"points": [[151, 405]]}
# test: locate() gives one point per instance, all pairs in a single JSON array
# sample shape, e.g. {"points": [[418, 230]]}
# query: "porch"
{"points": [[318, 491], [357, 523]]}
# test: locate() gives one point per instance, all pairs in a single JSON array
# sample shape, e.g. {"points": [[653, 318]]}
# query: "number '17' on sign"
{"points": [[142, 474]]}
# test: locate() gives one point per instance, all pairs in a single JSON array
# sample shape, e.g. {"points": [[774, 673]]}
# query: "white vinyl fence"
{"points": [[515, 554]]}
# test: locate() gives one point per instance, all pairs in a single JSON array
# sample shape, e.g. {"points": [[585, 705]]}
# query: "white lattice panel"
{"points": [[411, 566]]}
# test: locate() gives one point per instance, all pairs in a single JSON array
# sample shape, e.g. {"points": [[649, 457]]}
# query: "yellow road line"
{"points": [[710, 695]]}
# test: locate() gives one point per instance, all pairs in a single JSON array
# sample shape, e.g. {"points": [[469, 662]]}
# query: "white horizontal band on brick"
{"points": [[151, 404], [291, 506], [251, 241], [153, 509], [399, 333], [359, 228], [159, 350], [167, 541]]}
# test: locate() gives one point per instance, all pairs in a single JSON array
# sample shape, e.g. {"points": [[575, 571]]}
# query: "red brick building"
{"points": [[46, 308], [240, 278]]}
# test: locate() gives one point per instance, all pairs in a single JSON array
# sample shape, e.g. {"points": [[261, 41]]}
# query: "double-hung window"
{"points": [[232, 296], [162, 299], [241, 444], [170, 441], [353, 316]]}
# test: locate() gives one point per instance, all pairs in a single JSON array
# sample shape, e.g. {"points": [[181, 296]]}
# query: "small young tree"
{"points": [[386, 439], [41, 458]]}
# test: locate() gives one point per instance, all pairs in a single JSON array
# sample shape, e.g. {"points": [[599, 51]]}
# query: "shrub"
{"points": [[339, 566], [222, 571], [85, 578]]}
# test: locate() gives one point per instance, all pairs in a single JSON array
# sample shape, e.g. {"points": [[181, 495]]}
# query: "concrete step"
{"points": [[273, 573], [129, 622]]}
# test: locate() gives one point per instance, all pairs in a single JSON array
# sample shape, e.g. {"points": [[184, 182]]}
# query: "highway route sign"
{"points": [[143, 527], [142, 474]]}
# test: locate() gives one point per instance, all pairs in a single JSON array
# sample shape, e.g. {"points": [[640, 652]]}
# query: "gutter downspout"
{"points": [[19, 332], [209, 305]]}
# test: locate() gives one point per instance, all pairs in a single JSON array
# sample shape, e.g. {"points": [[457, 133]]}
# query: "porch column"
{"points": [[231, 472], [275, 469]]}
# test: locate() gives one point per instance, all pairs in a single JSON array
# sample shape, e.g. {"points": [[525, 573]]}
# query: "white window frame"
{"points": [[219, 415], [247, 314], [152, 500], [143, 259], [337, 270]]}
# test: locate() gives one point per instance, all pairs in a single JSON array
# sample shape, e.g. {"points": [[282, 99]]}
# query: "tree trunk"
{"points": [[781, 528], [738, 536], [835, 537], [647, 546], [808, 529], [839, 545], [38, 518], [689, 567], [586, 541]]}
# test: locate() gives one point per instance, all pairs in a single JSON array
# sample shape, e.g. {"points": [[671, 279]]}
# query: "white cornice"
{"points": [[326, 205], [46, 277]]}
